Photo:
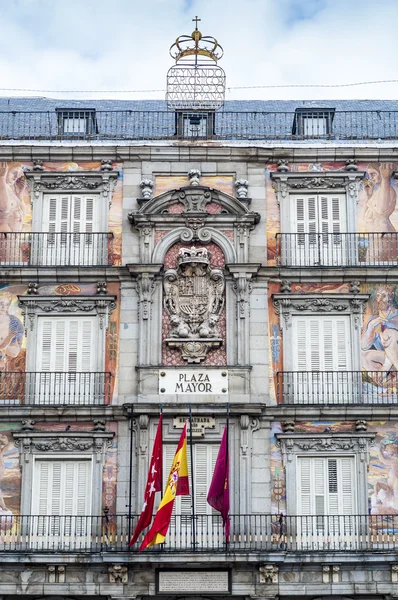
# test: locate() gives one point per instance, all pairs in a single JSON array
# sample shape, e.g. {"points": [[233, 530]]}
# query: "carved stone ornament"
{"points": [[103, 182], [194, 300], [96, 442], [268, 574], [315, 443], [118, 574], [285, 305], [194, 176], [146, 186], [34, 305], [284, 182], [241, 188]]}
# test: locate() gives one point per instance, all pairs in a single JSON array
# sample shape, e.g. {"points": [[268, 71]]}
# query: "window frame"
{"points": [[72, 114], [327, 445], [314, 114]]}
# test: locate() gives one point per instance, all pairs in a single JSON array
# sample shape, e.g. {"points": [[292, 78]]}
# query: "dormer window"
{"points": [[195, 124], [313, 122], [72, 122]]}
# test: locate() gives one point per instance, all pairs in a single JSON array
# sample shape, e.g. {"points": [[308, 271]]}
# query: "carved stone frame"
{"points": [[100, 183], [346, 182], [309, 444], [287, 305], [34, 307], [192, 225], [57, 445]]}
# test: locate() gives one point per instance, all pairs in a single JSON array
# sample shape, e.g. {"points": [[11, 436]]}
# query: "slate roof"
{"points": [[35, 118]]}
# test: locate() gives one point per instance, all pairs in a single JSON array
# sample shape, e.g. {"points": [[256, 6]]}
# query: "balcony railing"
{"points": [[337, 387], [55, 249], [228, 125], [337, 249], [249, 533], [54, 388]]}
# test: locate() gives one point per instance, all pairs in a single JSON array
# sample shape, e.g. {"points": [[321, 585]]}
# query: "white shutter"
{"points": [[73, 214], [56, 213], [305, 214], [66, 344], [62, 487], [325, 486], [332, 213], [321, 343]]}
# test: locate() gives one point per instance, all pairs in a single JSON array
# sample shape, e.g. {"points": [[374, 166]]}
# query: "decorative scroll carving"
{"points": [[29, 442], [285, 305], [101, 181], [348, 180], [33, 305], [292, 444], [194, 200], [71, 182], [145, 288], [242, 288], [316, 182], [194, 300], [118, 574]]}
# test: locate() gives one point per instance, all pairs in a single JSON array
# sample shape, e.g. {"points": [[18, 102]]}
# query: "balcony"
{"points": [[54, 388], [204, 534], [337, 387], [227, 125], [56, 249], [337, 249]]}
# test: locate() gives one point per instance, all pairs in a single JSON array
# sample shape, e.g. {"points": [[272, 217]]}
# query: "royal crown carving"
{"points": [[194, 300]]}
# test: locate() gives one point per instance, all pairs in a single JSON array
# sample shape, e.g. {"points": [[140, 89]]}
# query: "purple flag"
{"points": [[218, 496]]}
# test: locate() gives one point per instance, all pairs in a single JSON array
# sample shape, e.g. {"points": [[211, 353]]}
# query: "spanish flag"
{"points": [[177, 485]]}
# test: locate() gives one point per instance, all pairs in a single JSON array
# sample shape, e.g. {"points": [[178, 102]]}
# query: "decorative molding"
{"points": [[194, 300], [394, 573], [145, 289], [96, 442], [283, 165], [285, 305], [315, 443], [33, 306], [103, 181], [146, 186], [348, 181]]}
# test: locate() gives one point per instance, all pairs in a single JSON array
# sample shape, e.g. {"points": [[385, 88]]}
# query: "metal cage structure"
{"points": [[195, 82]]}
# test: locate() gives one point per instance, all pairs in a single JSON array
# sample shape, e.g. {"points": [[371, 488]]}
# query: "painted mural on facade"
{"points": [[10, 475], [12, 332], [164, 183], [16, 209], [376, 210], [383, 464]]}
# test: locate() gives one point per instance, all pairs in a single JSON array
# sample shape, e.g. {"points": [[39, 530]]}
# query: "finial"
{"points": [[196, 19]]}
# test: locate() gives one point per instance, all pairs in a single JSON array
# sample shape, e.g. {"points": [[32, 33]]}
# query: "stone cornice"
{"points": [[326, 443]]}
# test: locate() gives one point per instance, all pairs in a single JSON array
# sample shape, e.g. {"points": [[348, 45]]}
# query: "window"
{"points": [[77, 123], [208, 528], [312, 123], [72, 224], [316, 222], [194, 124], [61, 503]]}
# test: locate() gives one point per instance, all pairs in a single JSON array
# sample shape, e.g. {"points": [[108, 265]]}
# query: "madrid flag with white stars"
{"points": [[153, 485]]}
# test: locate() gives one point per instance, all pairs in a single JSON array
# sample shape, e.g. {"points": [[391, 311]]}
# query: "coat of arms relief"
{"points": [[194, 300]]}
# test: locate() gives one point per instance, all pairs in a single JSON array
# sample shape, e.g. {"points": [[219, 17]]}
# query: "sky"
{"points": [[123, 45]]}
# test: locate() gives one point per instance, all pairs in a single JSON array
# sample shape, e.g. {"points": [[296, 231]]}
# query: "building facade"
{"points": [[246, 269]]}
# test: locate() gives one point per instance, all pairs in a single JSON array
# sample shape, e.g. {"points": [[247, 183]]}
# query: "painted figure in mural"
{"points": [[381, 200], [12, 206], [385, 497], [11, 332], [380, 336]]}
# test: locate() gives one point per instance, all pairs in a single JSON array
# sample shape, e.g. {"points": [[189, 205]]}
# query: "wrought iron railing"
{"points": [[205, 534], [337, 249], [337, 387], [193, 125], [56, 249], [54, 388]]}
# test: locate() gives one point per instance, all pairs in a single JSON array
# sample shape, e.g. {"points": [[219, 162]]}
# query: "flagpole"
{"points": [[131, 470], [161, 472], [192, 480], [229, 487]]}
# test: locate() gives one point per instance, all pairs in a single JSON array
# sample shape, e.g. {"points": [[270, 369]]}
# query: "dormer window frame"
{"points": [[203, 120], [307, 119], [85, 118]]}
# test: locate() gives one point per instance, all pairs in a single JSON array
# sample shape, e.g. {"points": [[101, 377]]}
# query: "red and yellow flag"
{"points": [[177, 485]]}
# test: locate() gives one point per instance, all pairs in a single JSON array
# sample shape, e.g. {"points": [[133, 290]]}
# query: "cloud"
{"points": [[123, 44]]}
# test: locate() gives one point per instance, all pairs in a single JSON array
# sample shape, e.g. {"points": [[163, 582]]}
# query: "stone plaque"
{"points": [[199, 424], [193, 381], [181, 581]]}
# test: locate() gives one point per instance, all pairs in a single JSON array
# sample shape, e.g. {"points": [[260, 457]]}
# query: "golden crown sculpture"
{"points": [[196, 45]]}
